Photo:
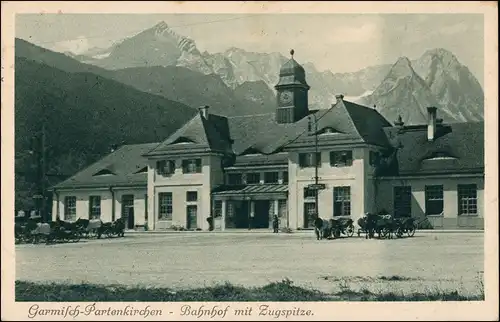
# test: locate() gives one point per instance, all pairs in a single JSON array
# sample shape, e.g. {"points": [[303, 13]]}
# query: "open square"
{"points": [[428, 261]]}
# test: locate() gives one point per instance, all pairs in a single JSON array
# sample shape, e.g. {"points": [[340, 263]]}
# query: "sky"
{"points": [[336, 42]]}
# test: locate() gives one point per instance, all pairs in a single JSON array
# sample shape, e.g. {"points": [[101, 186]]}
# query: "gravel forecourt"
{"points": [[427, 261]]}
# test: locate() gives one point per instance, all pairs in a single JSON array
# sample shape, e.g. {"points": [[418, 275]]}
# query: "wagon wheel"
{"points": [[66, 236], [92, 233], [76, 237], [350, 231], [399, 232], [411, 230]]}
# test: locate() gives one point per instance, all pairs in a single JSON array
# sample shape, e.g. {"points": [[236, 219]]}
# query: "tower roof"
{"points": [[292, 73]]}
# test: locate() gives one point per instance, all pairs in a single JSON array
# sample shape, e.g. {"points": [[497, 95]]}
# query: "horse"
{"points": [[322, 228], [369, 223], [118, 227]]}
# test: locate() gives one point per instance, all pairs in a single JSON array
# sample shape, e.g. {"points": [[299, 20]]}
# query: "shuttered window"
{"points": [[191, 166]]}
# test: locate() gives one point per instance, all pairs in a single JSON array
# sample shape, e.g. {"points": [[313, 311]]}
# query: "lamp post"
{"points": [[316, 186]]}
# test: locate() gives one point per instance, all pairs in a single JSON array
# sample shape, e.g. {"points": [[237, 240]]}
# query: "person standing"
{"points": [[275, 224], [250, 223]]}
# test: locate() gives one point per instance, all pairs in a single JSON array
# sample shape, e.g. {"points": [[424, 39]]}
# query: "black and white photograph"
{"points": [[249, 157]]}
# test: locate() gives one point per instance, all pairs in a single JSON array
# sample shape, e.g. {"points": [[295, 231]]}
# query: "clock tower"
{"points": [[292, 91]]}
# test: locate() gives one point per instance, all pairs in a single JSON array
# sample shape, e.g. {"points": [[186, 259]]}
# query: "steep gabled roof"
{"points": [[126, 163], [350, 122], [200, 134], [457, 148]]}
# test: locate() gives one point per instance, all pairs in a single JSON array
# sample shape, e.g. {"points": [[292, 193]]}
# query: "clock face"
{"points": [[286, 97]]}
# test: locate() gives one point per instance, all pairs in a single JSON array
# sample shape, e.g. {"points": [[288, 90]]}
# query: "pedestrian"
{"points": [[250, 223], [275, 223]]}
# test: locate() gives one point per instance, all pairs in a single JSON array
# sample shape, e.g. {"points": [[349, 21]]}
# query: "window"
{"points": [[191, 196], [191, 166], [307, 160], [165, 167], [402, 201], [94, 207], [434, 200], [342, 201], [253, 178], [271, 177], [285, 177], [234, 178], [309, 193], [340, 158], [217, 208], [165, 206], [70, 208], [467, 199]]}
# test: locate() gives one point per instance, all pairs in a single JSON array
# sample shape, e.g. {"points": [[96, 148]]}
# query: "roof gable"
{"points": [[198, 134]]}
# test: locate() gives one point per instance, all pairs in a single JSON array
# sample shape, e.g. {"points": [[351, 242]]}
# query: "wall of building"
{"points": [[384, 198], [179, 184], [82, 203], [357, 177]]}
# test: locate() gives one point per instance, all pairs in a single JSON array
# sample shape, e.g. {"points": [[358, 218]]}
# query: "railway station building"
{"points": [[247, 168]]}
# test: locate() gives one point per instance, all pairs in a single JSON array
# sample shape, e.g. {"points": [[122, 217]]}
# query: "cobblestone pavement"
{"points": [[423, 262]]}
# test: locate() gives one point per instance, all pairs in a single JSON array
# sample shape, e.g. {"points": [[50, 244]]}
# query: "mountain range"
{"points": [[448, 84]]}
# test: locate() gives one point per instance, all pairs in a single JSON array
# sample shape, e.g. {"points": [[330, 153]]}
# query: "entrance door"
{"points": [[192, 216], [309, 210], [128, 210], [261, 219]]}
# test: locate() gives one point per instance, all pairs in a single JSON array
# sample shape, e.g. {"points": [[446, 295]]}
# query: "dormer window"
{"points": [[341, 158], [440, 156], [183, 140], [328, 130], [165, 167], [104, 172]]}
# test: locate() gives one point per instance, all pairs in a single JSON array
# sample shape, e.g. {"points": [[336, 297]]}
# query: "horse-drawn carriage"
{"points": [[385, 225], [334, 227], [33, 230]]}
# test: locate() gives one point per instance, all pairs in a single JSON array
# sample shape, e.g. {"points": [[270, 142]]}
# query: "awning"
{"points": [[257, 191]]}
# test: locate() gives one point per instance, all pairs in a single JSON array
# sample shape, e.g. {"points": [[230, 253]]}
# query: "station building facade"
{"points": [[247, 168]]}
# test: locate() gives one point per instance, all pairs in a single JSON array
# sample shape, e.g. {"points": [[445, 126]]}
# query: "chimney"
{"points": [[431, 123], [204, 111], [339, 98]]}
